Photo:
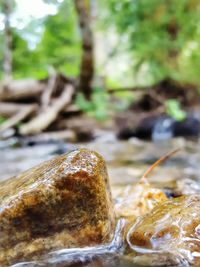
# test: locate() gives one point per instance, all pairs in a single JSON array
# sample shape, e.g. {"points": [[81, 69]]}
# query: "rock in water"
{"points": [[172, 227], [62, 203]]}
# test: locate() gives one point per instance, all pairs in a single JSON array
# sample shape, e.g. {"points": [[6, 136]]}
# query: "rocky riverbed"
{"points": [[126, 163]]}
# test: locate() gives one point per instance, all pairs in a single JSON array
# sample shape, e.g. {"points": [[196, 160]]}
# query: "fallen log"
{"points": [[47, 116], [21, 89], [18, 117], [65, 135], [72, 109], [7, 109]]}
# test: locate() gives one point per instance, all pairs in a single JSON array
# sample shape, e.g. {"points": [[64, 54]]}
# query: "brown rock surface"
{"points": [[64, 202], [172, 227]]}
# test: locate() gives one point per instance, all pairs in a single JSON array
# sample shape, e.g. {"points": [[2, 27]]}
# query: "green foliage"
{"points": [[98, 107], [101, 104], [173, 109], [60, 45], [2, 120], [26, 63], [189, 61], [158, 31], [11, 3], [1, 54], [162, 36]]}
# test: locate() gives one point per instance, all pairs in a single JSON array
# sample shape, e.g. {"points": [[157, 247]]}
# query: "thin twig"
{"points": [[158, 162]]}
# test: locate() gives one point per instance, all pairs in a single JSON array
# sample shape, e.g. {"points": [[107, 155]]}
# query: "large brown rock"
{"points": [[62, 203]]}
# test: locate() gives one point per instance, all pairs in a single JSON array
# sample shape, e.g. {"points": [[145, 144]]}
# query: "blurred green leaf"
{"points": [[98, 107], [173, 109], [2, 119]]}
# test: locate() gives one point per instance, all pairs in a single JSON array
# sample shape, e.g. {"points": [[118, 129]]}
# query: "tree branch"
{"points": [[47, 116]]}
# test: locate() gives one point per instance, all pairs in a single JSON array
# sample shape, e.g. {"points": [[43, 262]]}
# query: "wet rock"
{"points": [[187, 187], [190, 126], [172, 227], [62, 203], [162, 127], [153, 127], [160, 260], [14, 161], [142, 130]]}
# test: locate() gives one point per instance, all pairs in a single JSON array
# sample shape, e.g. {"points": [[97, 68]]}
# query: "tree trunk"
{"points": [[7, 64], [87, 60]]}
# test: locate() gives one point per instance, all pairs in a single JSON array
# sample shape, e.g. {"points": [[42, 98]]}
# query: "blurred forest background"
{"points": [[119, 57]]}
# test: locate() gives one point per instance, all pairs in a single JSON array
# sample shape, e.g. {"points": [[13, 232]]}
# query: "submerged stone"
{"points": [[62, 203], [171, 227]]}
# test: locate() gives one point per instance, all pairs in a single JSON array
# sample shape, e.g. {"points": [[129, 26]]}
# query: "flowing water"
{"points": [[126, 162]]}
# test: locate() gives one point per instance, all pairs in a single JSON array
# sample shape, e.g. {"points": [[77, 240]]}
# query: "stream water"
{"points": [[126, 162]]}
